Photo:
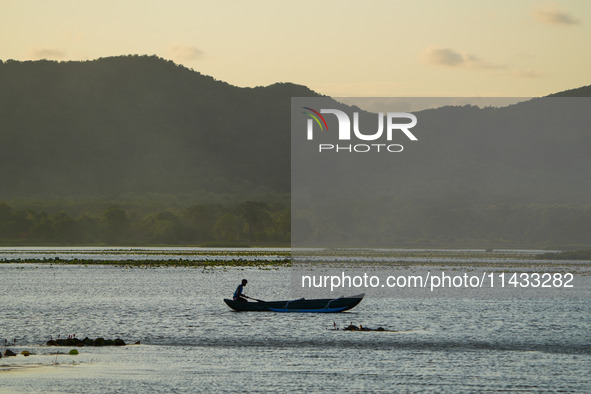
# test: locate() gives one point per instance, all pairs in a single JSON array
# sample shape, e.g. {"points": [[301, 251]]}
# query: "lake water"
{"points": [[191, 341]]}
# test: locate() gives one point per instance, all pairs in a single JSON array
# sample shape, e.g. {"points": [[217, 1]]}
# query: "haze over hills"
{"points": [[140, 125], [129, 127], [515, 175]]}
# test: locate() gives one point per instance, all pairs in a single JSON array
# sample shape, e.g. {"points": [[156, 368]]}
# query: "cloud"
{"points": [[551, 15], [47, 53], [448, 57], [443, 56], [451, 58], [185, 53]]}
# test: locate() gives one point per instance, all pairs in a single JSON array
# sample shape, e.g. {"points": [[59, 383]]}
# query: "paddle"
{"points": [[257, 300]]}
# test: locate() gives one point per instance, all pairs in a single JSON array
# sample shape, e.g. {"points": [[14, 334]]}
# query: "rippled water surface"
{"points": [[191, 341]]}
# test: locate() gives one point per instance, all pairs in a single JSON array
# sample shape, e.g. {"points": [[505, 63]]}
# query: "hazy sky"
{"points": [[339, 48]]}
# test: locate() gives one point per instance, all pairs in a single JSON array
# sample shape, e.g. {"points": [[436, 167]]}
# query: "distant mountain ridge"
{"points": [[584, 91], [139, 125]]}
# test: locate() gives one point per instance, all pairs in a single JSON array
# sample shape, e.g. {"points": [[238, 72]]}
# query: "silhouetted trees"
{"points": [[420, 223], [248, 222]]}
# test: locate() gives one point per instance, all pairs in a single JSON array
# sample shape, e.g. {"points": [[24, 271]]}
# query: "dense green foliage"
{"points": [[245, 223], [418, 223]]}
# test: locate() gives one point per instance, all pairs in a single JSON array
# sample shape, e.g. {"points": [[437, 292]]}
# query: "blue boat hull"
{"points": [[325, 305]]}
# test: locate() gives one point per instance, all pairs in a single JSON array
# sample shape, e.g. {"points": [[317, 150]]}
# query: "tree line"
{"points": [[249, 222], [369, 224]]}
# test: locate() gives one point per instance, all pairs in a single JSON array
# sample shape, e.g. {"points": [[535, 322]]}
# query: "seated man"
{"points": [[238, 296]]}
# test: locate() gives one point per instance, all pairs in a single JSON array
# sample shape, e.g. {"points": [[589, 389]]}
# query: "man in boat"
{"points": [[238, 296]]}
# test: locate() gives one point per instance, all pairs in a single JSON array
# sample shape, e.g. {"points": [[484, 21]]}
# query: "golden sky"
{"points": [[340, 48]]}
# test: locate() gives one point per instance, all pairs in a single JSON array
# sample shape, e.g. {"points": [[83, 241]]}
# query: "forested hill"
{"points": [[142, 125], [138, 125], [78, 137]]}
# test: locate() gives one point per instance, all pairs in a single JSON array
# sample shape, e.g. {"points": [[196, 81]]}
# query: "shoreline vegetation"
{"points": [[275, 258], [580, 254], [153, 257], [207, 224], [206, 263], [267, 222]]}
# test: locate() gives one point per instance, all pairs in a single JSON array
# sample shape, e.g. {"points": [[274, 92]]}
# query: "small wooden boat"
{"points": [[324, 305]]}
